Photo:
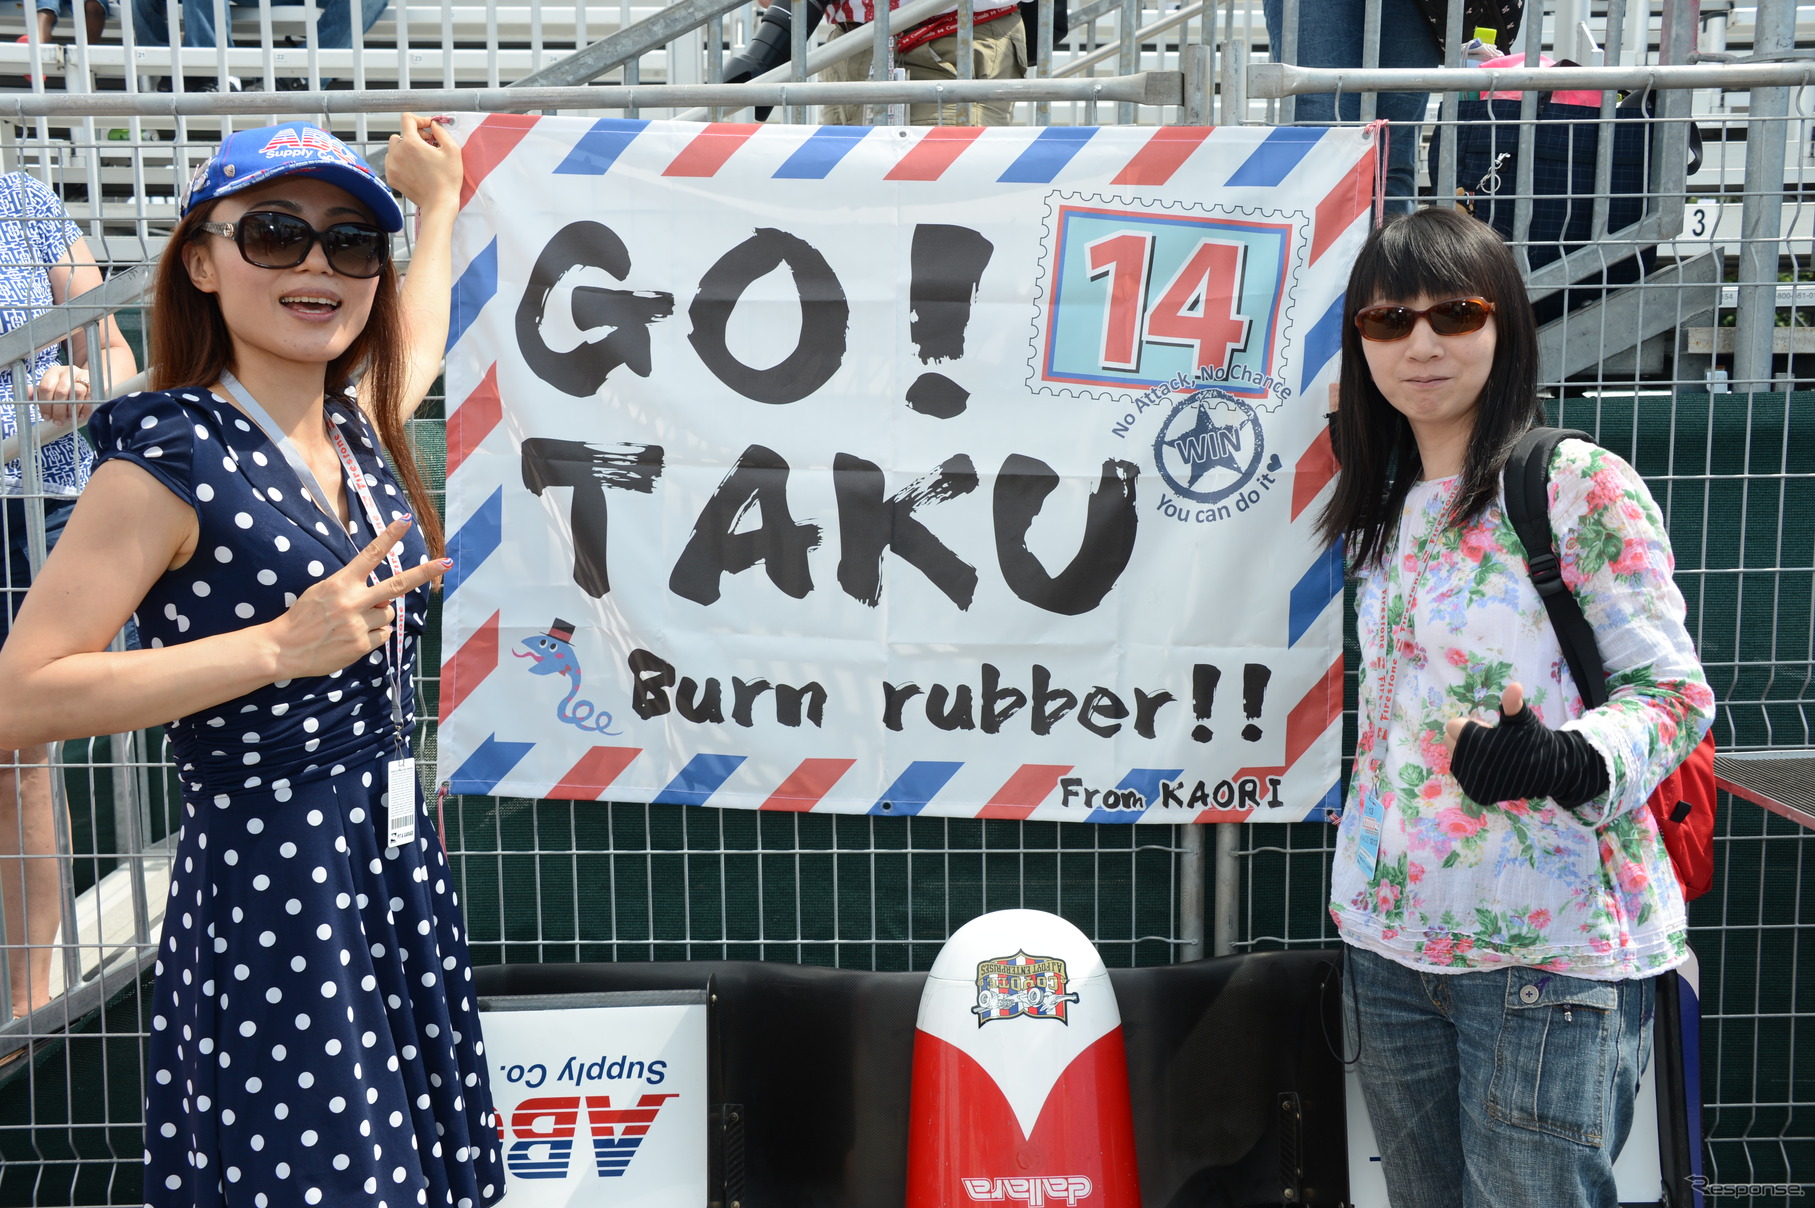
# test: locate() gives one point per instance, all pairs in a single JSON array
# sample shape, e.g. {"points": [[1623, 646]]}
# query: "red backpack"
{"points": [[1684, 803]]}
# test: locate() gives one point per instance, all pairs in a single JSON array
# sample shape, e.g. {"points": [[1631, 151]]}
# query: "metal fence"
{"points": [[1678, 331]]}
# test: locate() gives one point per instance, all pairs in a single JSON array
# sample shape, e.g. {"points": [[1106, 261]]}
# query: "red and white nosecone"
{"points": [[1020, 1092]]}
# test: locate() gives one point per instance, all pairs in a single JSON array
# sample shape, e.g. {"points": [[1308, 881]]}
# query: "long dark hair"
{"points": [[1441, 253], [190, 346]]}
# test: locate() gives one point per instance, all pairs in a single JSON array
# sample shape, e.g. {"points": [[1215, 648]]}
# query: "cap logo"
{"points": [[289, 143]]}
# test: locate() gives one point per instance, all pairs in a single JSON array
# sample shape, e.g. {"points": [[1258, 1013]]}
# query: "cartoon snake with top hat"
{"points": [[553, 654]]}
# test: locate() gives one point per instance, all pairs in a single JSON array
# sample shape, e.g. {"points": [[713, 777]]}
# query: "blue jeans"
{"points": [[1509, 1088], [333, 29], [67, 7], [1330, 35]]}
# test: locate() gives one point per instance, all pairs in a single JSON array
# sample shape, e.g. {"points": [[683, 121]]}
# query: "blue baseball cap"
{"points": [[252, 157]]}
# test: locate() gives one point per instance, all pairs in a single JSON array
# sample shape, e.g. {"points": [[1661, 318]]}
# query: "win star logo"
{"points": [[1210, 446], [1207, 443]]}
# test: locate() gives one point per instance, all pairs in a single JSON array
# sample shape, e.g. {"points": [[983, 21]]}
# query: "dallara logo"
{"points": [[1010, 986], [1035, 1192]]}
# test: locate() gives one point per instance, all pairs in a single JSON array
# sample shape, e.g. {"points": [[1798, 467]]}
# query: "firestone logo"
{"points": [[1035, 1192]]}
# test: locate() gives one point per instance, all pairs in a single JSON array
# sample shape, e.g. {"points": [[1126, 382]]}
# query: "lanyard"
{"points": [[312, 487], [1390, 631]]}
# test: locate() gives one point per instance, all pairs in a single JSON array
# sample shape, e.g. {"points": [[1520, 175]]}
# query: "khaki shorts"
{"points": [[998, 52]]}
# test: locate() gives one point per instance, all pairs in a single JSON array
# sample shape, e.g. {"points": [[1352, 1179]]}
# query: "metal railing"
{"points": [[1651, 358]]}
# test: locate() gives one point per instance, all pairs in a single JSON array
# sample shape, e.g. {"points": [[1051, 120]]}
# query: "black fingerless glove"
{"points": [[1523, 758]]}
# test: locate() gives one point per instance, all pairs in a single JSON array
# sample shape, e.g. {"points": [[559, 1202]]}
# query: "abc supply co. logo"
{"points": [[539, 1134], [291, 142], [1173, 317], [1021, 986]]}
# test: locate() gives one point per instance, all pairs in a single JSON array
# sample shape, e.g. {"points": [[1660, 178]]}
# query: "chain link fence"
{"points": [[1677, 331]]}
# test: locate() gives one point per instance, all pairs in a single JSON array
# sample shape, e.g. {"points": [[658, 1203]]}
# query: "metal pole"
{"points": [[797, 57], [1147, 88], [1191, 894], [882, 57], [1281, 79], [1528, 136], [1566, 34], [1287, 52], [1234, 102], [595, 60], [1444, 187], [1194, 59], [1635, 40], [37, 549], [1228, 890], [128, 829], [1128, 36], [1177, 17], [1043, 44], [1761, 210]]}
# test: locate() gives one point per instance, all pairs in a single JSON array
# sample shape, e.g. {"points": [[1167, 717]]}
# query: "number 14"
{"points": [[1196, 310]]}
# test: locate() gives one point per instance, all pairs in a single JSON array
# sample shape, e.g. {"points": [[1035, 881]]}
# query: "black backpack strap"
{"points": [[1527, 480]]}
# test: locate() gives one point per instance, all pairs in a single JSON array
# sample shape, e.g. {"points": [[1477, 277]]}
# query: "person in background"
{"points": [[928, 51], [333, 29], [96, 11], [44, 261], [1330, 34], [1503, 894]]}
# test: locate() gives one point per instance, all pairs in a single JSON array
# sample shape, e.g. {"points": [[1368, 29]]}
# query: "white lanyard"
{"points": [[312, 486], [1389, 658]]}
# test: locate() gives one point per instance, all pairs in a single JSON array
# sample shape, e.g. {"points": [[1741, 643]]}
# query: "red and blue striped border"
{"points": [[1043, 159]]}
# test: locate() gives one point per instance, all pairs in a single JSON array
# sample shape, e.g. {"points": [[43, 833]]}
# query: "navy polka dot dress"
{"points": [[314, 1038]]}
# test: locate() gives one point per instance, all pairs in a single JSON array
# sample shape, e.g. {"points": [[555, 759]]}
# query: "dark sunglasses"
{"points": [[273, 240], [1452, 317]]}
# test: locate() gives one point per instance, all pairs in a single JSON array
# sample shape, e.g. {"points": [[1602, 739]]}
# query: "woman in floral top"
{"points": [[1504, 894]]}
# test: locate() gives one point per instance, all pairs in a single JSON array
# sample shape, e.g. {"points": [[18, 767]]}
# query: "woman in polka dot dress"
{"points": [[314, 1035]]}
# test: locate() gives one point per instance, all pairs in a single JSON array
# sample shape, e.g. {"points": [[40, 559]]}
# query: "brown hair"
{"points": [[190, 346]]}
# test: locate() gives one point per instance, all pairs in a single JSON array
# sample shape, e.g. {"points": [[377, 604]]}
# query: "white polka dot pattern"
{"points": [[298, 1053]]}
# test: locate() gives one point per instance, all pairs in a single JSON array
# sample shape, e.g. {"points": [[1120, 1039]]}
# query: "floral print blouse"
{"points": [[34, 234], [1458, 885]]}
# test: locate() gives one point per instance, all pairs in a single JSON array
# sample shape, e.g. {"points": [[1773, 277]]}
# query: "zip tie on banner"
{"points": [[1381, 149], [441, 818]]}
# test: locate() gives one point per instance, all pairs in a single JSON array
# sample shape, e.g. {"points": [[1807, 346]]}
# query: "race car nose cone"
{"points": [[1020, 1088]]}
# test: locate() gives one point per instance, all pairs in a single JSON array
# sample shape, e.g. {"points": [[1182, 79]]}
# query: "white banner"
{"points": [[600, 1104], [887, 470]]}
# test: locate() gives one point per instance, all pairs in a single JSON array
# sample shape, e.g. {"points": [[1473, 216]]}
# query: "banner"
{"points": [[600, 1102], [891, 470]]}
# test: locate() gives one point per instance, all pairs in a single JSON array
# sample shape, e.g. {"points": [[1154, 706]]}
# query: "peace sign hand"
{"points": [[342, 618]]}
